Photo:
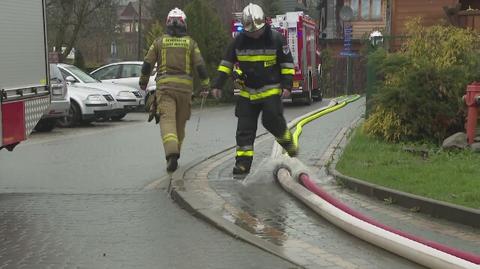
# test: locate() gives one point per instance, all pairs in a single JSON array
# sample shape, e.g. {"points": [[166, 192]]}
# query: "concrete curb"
{"points": [[434, 208]]}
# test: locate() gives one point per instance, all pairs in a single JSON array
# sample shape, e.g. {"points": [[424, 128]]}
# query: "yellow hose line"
{"points": [[299, 126]]}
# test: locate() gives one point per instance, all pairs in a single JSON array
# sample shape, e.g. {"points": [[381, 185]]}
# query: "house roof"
{"points": [[130, 11]]}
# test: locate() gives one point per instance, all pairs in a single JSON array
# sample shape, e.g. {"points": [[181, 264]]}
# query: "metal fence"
{"points": [[346, 77]]}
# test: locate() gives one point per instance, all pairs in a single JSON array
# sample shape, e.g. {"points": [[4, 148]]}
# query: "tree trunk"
{"points": [[76, 29]]}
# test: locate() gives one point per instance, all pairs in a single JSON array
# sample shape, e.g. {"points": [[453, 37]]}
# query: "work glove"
{"points": [[285, 93], [150, 102], [240, 82], [143, 82], [151, 108], [154, 115]]}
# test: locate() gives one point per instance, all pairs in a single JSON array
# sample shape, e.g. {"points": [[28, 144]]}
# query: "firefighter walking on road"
{"points": [[176, 55], [265, 60]]}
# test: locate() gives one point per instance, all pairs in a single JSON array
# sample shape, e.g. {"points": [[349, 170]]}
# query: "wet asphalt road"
{"points": [[79, 198], [114, 157]]}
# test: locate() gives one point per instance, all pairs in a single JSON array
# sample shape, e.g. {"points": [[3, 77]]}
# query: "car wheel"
{"points": [[73, 117], [118, 117], [45, 125]]}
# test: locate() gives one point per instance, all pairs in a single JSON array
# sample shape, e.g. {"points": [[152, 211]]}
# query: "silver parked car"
{"points": [[124, 73], [128, 98], [87, 105], [60, 101]]}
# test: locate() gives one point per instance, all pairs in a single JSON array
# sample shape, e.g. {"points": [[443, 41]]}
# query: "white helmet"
{"points": [[176, 17], [253, 18]]}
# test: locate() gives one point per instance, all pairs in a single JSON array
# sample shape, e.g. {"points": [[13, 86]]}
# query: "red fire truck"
{"points": [[301, 33], [24, 88]]}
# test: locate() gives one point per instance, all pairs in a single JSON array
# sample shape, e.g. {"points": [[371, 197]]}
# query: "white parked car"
{"points": [[60, 101], [87, 105], [128, 98], [124, 73]]}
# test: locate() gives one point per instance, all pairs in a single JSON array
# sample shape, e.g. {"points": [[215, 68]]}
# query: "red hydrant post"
{"points": [[472, 99]]}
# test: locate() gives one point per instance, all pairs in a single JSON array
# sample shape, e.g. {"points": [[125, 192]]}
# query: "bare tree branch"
{"points": [[68, 18]]}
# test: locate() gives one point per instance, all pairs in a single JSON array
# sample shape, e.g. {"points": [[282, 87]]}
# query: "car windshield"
{"points": [[82, 76]]}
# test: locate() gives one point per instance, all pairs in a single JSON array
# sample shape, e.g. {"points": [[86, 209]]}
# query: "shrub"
{"points": [[385, 123], [422, 85]]}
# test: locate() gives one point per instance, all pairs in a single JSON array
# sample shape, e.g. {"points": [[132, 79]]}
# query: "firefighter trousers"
{"points": [[174, 108], [247, 113]]}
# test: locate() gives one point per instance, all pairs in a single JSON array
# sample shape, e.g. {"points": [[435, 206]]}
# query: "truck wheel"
{"points": [[308, 95], [45, 125], [73, 117], [318, 95]]}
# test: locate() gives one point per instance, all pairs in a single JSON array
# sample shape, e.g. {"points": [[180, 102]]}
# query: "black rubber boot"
{"points": [[172, 163], [292, 149], [241, 168]]}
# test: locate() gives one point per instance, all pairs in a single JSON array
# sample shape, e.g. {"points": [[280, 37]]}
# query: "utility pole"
{"points": [[139, 42]]}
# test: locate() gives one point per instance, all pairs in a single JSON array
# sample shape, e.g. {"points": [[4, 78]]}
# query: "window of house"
{"points": [[354, 4], [365, 9], [128, 27]]}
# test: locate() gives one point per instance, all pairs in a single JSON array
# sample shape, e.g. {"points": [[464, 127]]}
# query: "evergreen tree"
{"points": [[207, 30]]}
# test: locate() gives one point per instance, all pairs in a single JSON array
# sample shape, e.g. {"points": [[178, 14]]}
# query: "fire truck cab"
{"points": [[301, 33], [24, 83]]}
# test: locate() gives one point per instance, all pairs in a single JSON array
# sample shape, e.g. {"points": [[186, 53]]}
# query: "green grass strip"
{"points": [[450, 176]]}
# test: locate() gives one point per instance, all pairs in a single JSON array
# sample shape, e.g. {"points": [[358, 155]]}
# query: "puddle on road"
{"points": [[262, 207]]}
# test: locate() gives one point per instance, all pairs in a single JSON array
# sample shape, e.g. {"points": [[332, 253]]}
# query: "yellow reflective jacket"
{"points": [[175, 58]]}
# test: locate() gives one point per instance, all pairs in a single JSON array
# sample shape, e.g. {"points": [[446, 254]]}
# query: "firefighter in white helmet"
{"points": [[176, 55], [264, 58]]}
